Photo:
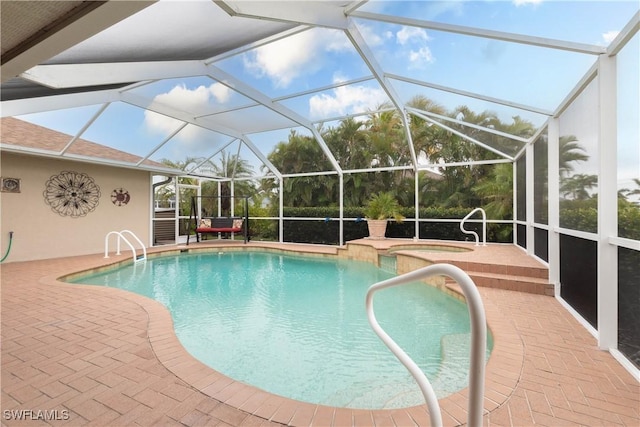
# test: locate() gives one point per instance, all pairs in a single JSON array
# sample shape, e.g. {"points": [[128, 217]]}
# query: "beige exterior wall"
{"points": [[41, 233]]}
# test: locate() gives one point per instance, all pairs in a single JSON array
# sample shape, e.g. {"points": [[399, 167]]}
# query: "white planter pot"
{"points": [[377, 228]]}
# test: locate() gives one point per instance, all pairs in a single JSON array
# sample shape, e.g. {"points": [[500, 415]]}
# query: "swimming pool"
{"points": [[296, 326]]}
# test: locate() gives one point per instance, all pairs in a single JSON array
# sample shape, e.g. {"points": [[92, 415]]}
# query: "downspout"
{"points": [[158, 184]]}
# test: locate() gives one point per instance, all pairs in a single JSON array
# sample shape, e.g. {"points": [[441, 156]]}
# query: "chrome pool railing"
{"points": [[484, 226], [478, 339], [120, 235]]}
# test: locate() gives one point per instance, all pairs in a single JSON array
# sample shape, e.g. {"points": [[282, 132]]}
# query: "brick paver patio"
{"points": [[85, 355]]}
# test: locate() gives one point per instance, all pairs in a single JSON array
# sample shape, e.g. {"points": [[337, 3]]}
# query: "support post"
{"points": [[553, 192], [530, 196], [607, 205]]}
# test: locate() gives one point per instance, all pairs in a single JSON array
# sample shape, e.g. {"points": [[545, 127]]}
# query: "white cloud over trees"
{"points": [[344, 100]]}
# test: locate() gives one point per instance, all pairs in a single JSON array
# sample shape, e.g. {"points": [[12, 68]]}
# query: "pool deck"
{"points": [[106, 357]]}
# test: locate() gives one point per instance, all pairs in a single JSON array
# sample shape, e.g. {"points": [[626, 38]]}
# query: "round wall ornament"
{"points": [[71, 194], [120, 196], [9, 185]]}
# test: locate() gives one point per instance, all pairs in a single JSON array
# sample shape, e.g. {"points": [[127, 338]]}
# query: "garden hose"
{"points": [[9, 247]]}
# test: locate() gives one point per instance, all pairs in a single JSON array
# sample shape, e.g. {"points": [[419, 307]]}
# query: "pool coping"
{"points": [[500, 383]]}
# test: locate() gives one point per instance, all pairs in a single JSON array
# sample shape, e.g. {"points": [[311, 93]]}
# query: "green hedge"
{"points": [[586, 219], [326, 231], [355, 212], [582, 219], [629, 222]]}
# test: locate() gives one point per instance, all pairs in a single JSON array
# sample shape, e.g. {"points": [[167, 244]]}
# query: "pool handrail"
{"points": [[120, 235], [478, 339], [484, 226]]}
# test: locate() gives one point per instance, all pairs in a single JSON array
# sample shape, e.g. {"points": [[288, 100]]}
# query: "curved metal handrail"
{"points": [[120, 235], [484, 226], [478, 339]]}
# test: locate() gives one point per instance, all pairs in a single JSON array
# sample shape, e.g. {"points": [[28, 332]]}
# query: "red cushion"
{"points": [[218, 230]]}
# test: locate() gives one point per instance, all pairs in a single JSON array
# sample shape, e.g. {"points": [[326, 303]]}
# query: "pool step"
{"points": [[380, 393], [455, 353], [531, 285], [452, 371], [508, 270]]}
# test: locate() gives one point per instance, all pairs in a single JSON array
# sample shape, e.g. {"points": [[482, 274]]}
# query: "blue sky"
{"points": [[318, 57]]}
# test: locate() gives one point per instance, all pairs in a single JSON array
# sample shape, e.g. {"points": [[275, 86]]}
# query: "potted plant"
{"points": [[379, 208]]}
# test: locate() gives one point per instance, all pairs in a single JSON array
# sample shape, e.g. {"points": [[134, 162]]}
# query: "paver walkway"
{"points": [[100, 356]]}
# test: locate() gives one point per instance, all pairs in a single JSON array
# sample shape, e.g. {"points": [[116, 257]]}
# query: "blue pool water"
{"points": [[297, 327]]}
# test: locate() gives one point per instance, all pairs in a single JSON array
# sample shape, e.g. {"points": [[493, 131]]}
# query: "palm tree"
{"points": [[386, 134], [573, 186], [635, 192], [570, 152], [183, 165], [230, 166], [577, 185], [520, 127], [497, 189], [300, 153], [233, 167], [352, 148], [349, 144], [626, 193], [297, 155], [165, 192]]}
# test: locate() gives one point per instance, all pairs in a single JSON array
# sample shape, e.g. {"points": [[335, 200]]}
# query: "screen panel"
{"points": [[540, 180], [579, 276], [522, 236], [521, 188], [579, 162], [629, 305], [628, 70], [541, 244]]}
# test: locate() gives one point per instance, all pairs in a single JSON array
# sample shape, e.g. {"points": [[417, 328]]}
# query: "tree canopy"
{"points": [[380, 142]]}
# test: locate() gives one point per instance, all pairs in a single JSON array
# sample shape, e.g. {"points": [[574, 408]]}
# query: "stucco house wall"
{"points": [[40, 232]]}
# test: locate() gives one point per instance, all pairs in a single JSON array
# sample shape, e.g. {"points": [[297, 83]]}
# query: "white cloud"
{"points": [[372, 38], [345, 100], [609, 36], [410, 34], [195, 99], [335, 41], [433, 10], [182, 98], [519, 3], [220, 92], [157, 123], [164, 126], [419, 58], [284, 60]]}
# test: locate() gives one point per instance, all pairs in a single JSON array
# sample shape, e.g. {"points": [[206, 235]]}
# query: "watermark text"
{"points": [[31, 414]]}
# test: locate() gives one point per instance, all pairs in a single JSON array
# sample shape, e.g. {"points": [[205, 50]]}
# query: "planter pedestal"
{"points": [[377, 228]]}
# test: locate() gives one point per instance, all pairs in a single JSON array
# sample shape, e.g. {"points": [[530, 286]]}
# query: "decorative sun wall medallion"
{"points": [[71, 194], [9, 185], [120, 196]]}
